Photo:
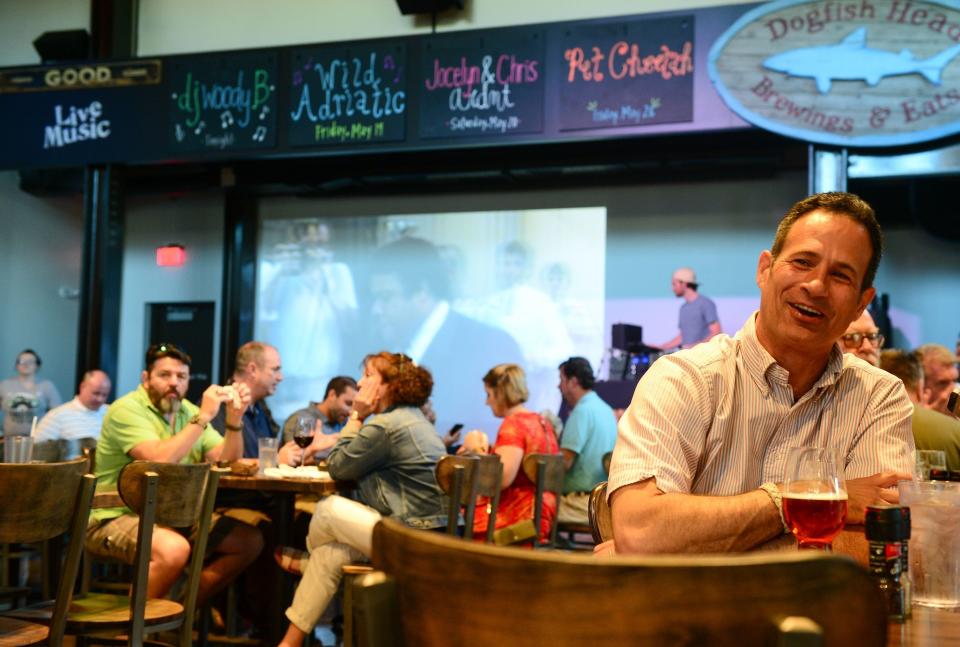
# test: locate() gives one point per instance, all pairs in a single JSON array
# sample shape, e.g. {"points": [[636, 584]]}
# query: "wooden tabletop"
{"points": [[926, 628], [266, 484]]}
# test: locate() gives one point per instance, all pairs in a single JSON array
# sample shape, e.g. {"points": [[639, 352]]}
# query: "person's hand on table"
{"points": [[320, 447], [289, 454], [871, 490]]}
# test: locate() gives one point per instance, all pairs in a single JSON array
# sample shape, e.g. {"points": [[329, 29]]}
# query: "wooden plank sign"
{"points": [[857, 73]]}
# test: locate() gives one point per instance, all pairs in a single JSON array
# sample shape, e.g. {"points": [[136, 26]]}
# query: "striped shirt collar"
{"points": [[764, 370]]}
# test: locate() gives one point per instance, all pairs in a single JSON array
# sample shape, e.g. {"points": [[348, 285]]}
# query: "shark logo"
{"points": [[852, 60]]}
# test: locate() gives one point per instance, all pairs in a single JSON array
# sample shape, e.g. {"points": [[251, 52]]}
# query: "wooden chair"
{"points": [[457, 477], [40, 502], [558, 599], [547, 473], [172, 495], [52, 451], [601, 524]]}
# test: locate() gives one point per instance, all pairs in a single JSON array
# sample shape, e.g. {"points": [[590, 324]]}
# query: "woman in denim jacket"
{"points": [[391, 451]]}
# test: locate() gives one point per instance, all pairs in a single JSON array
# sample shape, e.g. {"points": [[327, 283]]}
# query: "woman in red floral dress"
{"points": [[522, 432]]}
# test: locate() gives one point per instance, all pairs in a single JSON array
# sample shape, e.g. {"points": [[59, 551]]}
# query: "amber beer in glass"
{"points": [[814, 496]]}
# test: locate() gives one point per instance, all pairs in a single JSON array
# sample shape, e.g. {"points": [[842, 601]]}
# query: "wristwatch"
{"points": [[197, 420]]}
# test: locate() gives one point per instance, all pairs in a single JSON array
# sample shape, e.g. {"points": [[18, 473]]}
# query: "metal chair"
{"points": [[559, 599], [41, 502], [172, 495]]}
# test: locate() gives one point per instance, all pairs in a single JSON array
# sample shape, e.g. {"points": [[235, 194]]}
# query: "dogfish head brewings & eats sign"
{"points": [[849, 73]]}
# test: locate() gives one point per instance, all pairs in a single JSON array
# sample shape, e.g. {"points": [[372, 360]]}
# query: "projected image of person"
{"points": [[411, 313], [532, 319], [310, 305]]}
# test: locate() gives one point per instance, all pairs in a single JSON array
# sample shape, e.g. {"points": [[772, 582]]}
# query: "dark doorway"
{"points": [[189, 326]]}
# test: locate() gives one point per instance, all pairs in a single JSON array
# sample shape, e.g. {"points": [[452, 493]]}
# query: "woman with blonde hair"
{"points": [[522, 432], [391, 451]]}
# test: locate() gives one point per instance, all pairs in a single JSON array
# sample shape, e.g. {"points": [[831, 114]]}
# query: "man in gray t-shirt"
{"points": [[698, 319], [332, 412]]}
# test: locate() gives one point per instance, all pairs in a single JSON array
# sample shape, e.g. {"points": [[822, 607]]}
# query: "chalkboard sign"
{"points": [[77, 127], [482, 84], [626, 74], [353, 94], [220, 102]]}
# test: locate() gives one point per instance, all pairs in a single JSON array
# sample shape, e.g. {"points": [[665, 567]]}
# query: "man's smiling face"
{"points": [[811, 292]]}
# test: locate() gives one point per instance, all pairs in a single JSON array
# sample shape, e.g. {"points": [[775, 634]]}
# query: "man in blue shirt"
{"points": [[589, 433], [698, 320], [258, 366]]}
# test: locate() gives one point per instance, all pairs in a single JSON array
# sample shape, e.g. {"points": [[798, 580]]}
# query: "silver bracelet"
{"points": [[777, 497]]}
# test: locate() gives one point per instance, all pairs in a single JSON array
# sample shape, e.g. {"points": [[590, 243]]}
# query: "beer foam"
{"points": [[816, 496]]}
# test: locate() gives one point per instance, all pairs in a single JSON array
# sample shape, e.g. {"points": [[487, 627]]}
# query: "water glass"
{"points": [[21, 449], [932, 465], [934, 541], [267, 449]]}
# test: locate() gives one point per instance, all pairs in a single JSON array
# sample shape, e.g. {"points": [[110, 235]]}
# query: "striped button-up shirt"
{"points": [[718, 419]]}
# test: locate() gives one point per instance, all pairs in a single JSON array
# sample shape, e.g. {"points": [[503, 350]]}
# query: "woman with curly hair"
{"points": [[522, 432], [390, 450]]}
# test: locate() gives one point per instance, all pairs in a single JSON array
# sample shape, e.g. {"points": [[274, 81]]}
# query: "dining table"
{"points": [[926, 627]]}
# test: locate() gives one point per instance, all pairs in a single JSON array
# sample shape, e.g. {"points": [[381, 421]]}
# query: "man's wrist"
{"points": [[773, 491], [231, 427], [199, 419]]}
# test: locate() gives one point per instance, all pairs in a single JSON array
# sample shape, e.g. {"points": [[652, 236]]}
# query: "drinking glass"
{"points": [[934, 541], [814, 496], [933, 463], [267, 451], [303, 434]]}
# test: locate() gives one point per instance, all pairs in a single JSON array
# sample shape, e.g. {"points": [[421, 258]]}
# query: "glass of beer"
{"points": [[814, 496]]}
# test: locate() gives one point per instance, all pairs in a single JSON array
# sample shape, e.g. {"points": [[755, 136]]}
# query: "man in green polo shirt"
{"points": [[155, 423]]}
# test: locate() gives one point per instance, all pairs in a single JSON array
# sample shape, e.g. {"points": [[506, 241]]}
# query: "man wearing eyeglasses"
{"points": [[863, 339]]}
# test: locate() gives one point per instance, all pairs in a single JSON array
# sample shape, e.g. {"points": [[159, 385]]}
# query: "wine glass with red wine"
{"points": [[814, 496], [303, 434]]}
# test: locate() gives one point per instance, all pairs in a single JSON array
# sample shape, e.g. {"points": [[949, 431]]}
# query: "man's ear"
{"points": [[144, 377], [763, 266], [865, 299]]}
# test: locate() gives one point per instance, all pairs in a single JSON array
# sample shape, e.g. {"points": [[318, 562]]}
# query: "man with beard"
{"points": [[155, 423], [331, 413]]}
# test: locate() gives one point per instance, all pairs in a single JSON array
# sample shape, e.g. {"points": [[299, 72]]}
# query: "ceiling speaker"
{"points": [[427, 6]]}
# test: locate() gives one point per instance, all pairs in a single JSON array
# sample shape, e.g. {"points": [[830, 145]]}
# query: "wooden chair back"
{"points": [[489, 480], [559, 599], [171, 495], [55, 451], [601, 523], [42, 501], [546, 471], [457, 477]]}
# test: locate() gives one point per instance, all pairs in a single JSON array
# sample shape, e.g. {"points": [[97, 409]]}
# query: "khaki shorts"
{"points": [[117, 538]]}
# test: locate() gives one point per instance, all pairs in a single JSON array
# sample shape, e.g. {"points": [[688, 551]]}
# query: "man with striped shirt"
{"points": [[82, 417], [702, 447]]}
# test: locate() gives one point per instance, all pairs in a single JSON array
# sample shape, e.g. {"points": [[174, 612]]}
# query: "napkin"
{"points": [[302, 472]]}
